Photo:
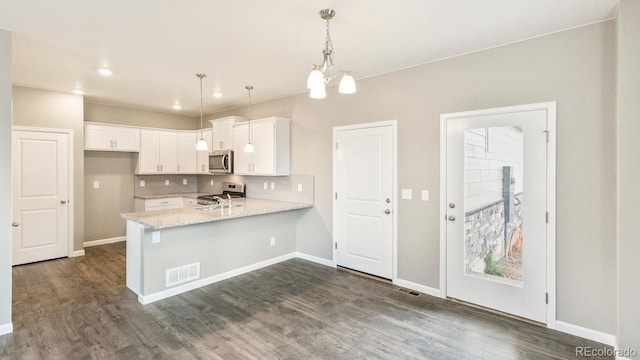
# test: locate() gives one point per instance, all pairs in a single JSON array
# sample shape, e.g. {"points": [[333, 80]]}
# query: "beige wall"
{"points": [[628, 173], [575, 68], [41, 108], [125, 116], [103, 206], [5, 177]]}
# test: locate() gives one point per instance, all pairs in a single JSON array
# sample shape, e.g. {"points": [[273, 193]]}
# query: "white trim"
{"points": [[77, 253], [394, 185], [148, 299], [316, 259], [550, 107], [6, 329], [105, 241], [417, 287], [586, 333]]}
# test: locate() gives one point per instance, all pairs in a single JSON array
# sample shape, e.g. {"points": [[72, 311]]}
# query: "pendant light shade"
{"points": [[315, 80], [347, 84], [249, 147], [201, 145], [318, 92]]}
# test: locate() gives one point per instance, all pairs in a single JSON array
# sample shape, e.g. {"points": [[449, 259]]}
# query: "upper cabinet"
{"points": [[186, 147], [111, 138], [270, 139], [158, 152], [202, 157], [222, 137]]}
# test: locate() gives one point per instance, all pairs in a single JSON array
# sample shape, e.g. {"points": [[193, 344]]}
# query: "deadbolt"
{"points": [[452, 205], [15, 224], [388, 200]]}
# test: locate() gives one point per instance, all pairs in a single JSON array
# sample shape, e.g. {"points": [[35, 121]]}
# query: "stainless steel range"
{"points": [[229, 191]]}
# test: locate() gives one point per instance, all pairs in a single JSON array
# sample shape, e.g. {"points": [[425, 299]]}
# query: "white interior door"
{"points": [[40, 166], [496, 207], [363, 216]]}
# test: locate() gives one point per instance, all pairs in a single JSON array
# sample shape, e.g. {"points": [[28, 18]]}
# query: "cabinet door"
{"points": [[203, 156], [148, 160], [264, 144], [241, 161], [125, 139], [97, 137], [187, 152], [223, 135], [168, 152]]}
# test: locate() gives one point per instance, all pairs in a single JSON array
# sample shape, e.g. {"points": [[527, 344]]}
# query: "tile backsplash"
{"points": [[165, 184]]}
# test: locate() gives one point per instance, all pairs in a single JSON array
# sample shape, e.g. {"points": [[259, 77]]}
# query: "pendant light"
{"points": [[322, 74], [249, 147], [202, 144]]}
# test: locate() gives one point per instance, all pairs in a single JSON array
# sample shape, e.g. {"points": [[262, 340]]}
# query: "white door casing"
{"points": [[42, 205], [364, 225], [525, 298]]}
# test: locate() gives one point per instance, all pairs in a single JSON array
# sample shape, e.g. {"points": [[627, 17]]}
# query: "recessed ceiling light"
{"points": [[105, 71], [177, 107], [77, 92], [217, 94]]}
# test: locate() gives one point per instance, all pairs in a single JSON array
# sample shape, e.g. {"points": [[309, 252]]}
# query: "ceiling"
{"points": [[155, 48]]}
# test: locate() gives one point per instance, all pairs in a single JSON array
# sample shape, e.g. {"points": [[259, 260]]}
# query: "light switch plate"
{"points": [[155, 237], [273, 241], [96, 184], [273, 186], [425, 195], [299, 187], [407, 194], [211, 182], [142, 183], [166, 182], [265, 185], [184, 181]]}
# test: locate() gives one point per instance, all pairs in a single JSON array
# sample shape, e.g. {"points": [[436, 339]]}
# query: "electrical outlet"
{"points": [[96, 184], [155, 237], [184, 181], [273, 186], [142, 183], [211, 182], [166, 182], [299, 187], [425, 195], [265, 185], [273, 241], [407, 194]]}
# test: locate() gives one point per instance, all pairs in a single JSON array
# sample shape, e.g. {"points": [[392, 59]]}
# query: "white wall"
{"points": [[5, 180], [628, 174]]}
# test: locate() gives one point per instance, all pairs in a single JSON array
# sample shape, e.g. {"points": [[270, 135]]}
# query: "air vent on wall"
{"points": [[183, 274]]}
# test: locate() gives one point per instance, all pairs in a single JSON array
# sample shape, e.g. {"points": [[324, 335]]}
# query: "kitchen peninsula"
{"points": [[176, 250]]}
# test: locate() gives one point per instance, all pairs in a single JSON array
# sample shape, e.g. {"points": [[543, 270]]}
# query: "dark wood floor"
{"points": [[79, 308]]}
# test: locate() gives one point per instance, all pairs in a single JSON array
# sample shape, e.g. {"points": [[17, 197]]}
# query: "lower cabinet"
{"points": [[159, 204]]}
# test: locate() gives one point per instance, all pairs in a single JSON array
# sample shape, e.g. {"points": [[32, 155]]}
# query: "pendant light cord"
{"points": [[249, 88]]}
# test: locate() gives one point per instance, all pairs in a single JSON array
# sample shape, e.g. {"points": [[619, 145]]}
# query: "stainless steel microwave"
{"points": [[221, 162]]}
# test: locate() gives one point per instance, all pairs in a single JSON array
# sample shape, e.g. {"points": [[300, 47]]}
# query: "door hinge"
{"points": [[336, 196], [546, 217], [546, 298], [336, 146], [336, 245], [546, 135]]}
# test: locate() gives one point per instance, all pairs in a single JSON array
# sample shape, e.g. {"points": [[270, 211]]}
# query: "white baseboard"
{"points": [[77, 253], [148, 299], [316, 259], [6, 329], [417, 287], [105, 241], [583, 332]]}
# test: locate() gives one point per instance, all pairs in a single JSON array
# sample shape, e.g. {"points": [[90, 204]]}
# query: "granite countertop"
{"points": [[164, 219], [163, 196]]}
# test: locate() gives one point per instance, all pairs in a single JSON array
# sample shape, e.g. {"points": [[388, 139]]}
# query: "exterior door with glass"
{"points": [[497, 208]]}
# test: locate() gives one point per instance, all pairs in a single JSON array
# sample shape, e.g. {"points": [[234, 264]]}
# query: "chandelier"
{"points": [[322, 74]]}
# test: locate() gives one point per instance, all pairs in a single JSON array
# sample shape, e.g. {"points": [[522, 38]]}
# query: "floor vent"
{"points": [[183, 274], [408, 292]]}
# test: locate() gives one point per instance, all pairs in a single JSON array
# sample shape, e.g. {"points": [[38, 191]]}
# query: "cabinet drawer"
{"points": [[190, 202], [163, 203]]}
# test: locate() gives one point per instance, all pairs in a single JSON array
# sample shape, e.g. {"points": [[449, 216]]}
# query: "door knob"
{"points": [[451, 218], [63, 201], [15, 224], [387, 211]]}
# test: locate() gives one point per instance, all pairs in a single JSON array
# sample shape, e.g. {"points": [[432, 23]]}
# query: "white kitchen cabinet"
{"points": [[158, 152], [222, 137], [111, 138], [159, 204], [202, 157], [270, 138], [186, 152]]}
